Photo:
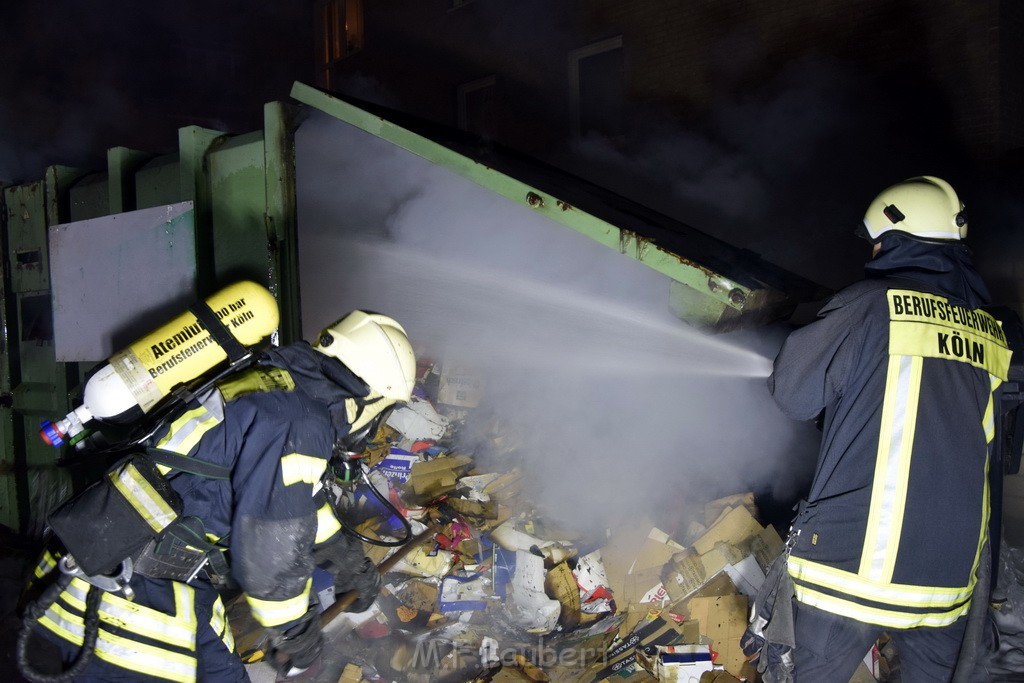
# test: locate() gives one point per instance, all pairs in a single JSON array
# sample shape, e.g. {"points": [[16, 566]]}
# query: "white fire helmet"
{"points": [[376, 348], [924, 207]]}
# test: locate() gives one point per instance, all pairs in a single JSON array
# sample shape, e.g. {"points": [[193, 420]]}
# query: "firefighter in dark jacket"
{"points": [[276, 426], [905, 365]]}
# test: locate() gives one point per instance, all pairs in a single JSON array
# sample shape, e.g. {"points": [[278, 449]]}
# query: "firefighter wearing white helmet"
{"points": [[376, 348], [904, 366], [925, 207], [274, 429]]}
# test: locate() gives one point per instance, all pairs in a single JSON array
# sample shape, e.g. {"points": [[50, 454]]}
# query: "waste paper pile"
{"points": [[492, 589]]}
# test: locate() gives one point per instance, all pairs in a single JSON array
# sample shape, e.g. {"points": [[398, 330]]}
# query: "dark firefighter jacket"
{"points": [[905, 366], [275, 426]]}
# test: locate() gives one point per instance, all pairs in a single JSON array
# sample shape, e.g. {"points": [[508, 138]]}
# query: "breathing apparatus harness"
{"points": [[166, 545], [162, 544]]}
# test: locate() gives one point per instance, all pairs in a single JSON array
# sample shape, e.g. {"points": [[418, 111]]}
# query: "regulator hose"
{"points": [[390, 506], [35, 610]]}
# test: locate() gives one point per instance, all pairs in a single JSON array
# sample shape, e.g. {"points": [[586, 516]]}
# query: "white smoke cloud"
{"points": [[621, 407]]}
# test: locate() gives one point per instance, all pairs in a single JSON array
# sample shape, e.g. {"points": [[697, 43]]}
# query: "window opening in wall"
{"points": [[477, 109], [597, 88], [340, 34]]}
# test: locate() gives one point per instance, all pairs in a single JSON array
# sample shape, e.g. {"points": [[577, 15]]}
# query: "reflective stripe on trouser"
{"points": [[277, 612]]}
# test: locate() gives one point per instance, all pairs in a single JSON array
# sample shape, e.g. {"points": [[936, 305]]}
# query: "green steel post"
{"points": [[194, 143], [281, 215]]}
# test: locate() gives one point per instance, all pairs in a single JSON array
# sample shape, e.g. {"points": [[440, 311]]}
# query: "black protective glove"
{"points": [[297, 648], [352, 570]]}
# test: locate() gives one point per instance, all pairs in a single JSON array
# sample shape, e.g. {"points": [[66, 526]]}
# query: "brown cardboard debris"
{"points": [[520, 670], [621, 661], [644, 575], [419, 595], [684, 575], [618, 555], [369, 529], [734, 527], [714, 509], [380, 445], [460, 386], [435, 478], [560, 584], [720, 585], [413, 603], [351, 674], [689, 571], [863, 675], [723, 620], [507, 486], [719, 677], [766, 546], [473, 508]]}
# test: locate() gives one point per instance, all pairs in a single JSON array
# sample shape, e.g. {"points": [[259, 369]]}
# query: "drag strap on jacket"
{"points": [[770, 638]]}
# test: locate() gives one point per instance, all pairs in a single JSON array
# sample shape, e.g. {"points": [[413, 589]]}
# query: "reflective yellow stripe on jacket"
{"points": [[874, 615], [892, 468], [177, 630], [938, 606], [47, 563], [186, 431], [220, 626], [326, 524], [296, 468]]}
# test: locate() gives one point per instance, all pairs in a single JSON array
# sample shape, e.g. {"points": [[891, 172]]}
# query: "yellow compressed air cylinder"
{"points": [[183, 349], [135, 379]]}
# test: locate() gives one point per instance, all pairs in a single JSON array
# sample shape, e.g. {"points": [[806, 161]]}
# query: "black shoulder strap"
{"points": [[218, 331], [183, 463]]}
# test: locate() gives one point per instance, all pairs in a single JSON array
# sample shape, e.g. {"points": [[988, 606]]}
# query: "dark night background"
{"points": [[769, 125]]}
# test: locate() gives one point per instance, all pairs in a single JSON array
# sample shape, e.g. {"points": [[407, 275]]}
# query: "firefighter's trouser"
{"points": [[127, 654], [830, 647]]}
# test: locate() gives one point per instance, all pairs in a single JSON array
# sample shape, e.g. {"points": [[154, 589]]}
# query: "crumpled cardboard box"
{"points": [[723, 619], [432, 479], [634, 569], [621, 662], [734, 527], [714, 509], [460, 386]]}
